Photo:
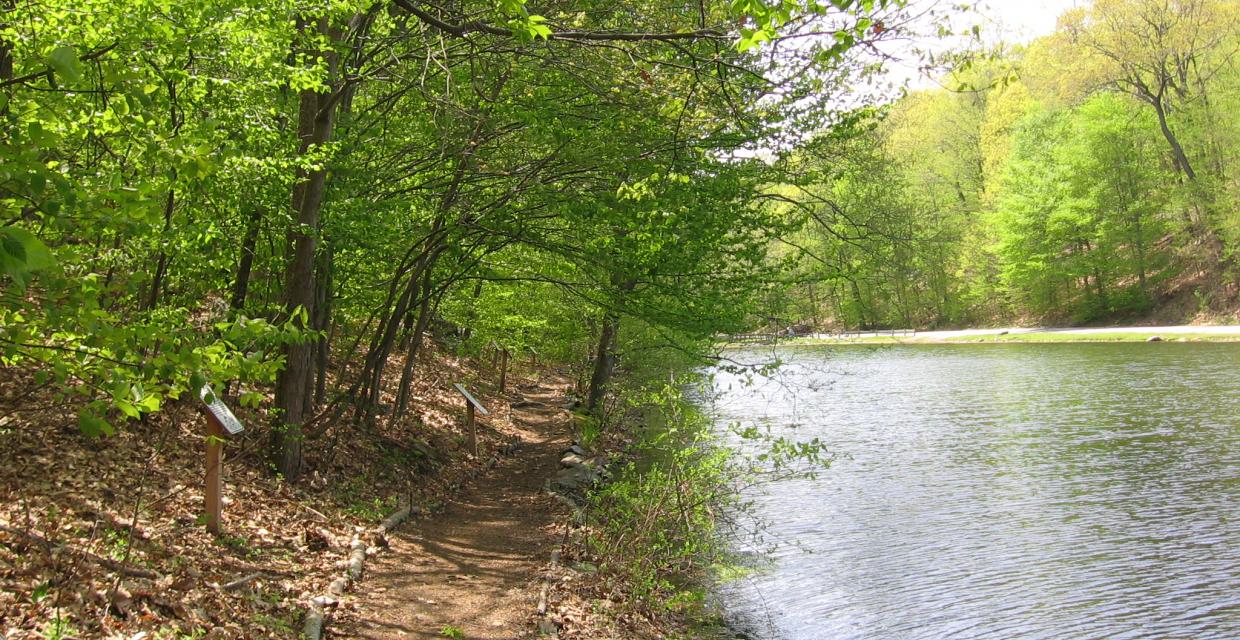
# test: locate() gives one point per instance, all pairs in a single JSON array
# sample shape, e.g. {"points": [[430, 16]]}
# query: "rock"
{"points": [[1154, 339], [423, 449], [573, 460], [1004, 333], [567, 501], [576, 478], [577, 449], [547, 628]]}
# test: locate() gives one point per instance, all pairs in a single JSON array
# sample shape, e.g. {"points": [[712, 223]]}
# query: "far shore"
{"points": [[1181, 333]]}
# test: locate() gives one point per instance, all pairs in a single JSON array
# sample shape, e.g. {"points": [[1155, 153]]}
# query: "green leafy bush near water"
{"points": [[665, 525]]}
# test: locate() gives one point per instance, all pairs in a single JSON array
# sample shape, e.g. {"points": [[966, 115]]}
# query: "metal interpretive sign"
{"points": [[220, 411], [472, 400]]}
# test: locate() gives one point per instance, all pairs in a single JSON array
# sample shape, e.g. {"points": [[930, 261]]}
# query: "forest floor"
{"points": [[103, 537]]}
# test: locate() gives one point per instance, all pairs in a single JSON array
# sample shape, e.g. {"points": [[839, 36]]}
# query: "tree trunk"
{"points": [[1177, 150], [604, 363], [503, 370], [6, 53], [473, 313], [415, 346], [161, 263], [322, 320], [245, 262], [293, 388], [376, 360], [856, 293]]}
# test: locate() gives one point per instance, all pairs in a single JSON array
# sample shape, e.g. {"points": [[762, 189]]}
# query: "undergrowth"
{"points": [[663, 526]]}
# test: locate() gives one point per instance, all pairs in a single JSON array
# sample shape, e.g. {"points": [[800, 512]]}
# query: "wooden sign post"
{"points": [[220, 423], [471, 404], [503, 370]]}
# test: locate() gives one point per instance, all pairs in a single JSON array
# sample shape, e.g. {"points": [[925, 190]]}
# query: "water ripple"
{"points": [[1051, 491]]}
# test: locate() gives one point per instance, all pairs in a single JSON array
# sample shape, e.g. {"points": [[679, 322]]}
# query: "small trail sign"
{"points": [[472, 400], [220, 412], [221, 423]]}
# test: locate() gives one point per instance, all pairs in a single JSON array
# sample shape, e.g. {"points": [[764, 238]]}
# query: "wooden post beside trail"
{"points": [[503, 370], [212, 492], [220, 423], [472, 425], [471, 405]]}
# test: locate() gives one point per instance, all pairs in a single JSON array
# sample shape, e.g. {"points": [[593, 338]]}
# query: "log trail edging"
{"points": [[316, 612]]}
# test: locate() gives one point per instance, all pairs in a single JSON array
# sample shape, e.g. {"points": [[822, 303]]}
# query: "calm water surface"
{"points": [[1000, 491]]}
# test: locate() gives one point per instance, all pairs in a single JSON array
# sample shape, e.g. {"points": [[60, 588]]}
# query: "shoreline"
{"points": [[1018, 335]]}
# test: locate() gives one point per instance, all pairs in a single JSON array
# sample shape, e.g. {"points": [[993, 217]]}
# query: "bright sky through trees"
{"points": [[1024, 20]]}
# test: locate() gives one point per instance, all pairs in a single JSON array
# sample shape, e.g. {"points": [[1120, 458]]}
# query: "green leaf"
{"points": [[196, 382], [64, 62], [126, 407], [13, 249], [94, 426], [37, 256]]}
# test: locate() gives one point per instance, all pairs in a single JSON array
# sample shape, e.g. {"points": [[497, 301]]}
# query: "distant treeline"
{"points": [[1092, 174]]}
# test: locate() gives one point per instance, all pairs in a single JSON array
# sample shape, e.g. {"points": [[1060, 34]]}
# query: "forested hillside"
{"points": [[291, 194], [1087, 176]]}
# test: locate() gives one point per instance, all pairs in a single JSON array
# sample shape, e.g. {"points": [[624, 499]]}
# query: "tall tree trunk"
{"points": [[473, 313], [857, 298], [376, 360], [604, 363], [293, 388], [6, 53], [425, 310], [1177, 150], [161, 263], [322, 321], [1198, 213], [245, 262]]}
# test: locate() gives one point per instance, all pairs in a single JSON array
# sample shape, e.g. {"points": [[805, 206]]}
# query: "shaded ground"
{"points": [[101, 538], [475, 567]]}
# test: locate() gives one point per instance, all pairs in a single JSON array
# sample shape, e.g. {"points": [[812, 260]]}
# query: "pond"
{"points": [[996, 491]]}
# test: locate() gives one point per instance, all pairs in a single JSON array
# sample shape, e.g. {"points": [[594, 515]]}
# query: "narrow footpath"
{"points": [[472, 571]]}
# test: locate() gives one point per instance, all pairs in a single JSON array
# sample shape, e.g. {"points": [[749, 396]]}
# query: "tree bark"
{"points": [[245, 262], [6, 52], [322, 320], [161, 263], [1177, 150], [604, 363], [425, 309], [293, 388], [376, 360]]}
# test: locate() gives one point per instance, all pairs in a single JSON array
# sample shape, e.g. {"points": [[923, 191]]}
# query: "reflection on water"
{"points": [[1000, 491]]}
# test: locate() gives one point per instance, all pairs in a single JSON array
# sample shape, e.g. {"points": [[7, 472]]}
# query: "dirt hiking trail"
{"points": [[475, 566]]}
